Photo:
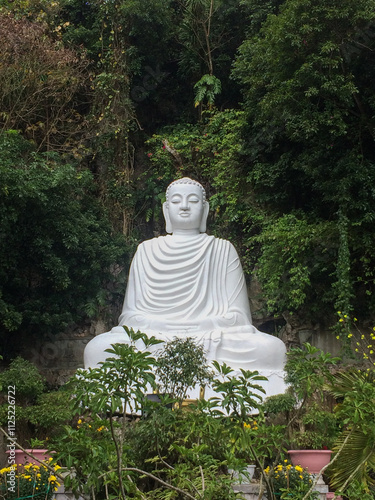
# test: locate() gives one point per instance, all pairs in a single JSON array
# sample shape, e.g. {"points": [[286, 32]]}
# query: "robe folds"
{"points": [[181, 287], [194, 286]]}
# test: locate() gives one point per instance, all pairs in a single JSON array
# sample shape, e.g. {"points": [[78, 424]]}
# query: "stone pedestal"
{"points": [[251, 491], [322, 488]]}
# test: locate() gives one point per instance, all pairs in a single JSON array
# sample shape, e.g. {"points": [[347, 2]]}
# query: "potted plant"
{"points": [[307, 409]]}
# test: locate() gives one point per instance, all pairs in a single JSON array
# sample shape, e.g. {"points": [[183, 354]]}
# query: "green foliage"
{"points": [[41, 83], [356, 391], [296, 254], [56, 245], [120, 382], [50, 411], [209, 32], [25, 377], [240, 395], [294, 162], [39, 411], [181, 366], [308, 369], [109, 452], [358, 491], [308, 99], [206, 89], [209, 152], [305, 409]]}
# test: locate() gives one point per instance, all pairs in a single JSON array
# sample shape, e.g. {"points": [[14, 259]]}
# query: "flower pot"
{"points": [[243, 478], [312, 460], [21, 457]]}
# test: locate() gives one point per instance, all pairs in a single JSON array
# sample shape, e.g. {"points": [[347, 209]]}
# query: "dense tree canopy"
{"points": [[56, 247], [270, 104]]}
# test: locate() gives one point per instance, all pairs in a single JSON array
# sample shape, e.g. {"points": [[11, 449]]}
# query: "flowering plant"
{"points": [[290, 481], [28, 481]]}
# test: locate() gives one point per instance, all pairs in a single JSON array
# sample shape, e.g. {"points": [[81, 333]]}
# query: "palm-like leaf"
{"points": [[356, 445], [356, 460]]}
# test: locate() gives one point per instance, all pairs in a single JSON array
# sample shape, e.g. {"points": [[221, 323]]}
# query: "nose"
{"points": [[184, 203]]}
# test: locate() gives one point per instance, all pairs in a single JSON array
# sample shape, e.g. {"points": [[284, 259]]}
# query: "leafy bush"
{"points": [[39, 411], [56, 245], [181, 366]]}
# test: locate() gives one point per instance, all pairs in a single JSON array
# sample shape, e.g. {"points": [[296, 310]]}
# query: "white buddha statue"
{"points": [[191, 284]]}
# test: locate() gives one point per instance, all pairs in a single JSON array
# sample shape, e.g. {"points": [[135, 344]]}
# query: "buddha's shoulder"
{"points": [[202, 238]]}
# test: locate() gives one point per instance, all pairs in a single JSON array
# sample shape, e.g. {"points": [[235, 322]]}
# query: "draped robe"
{"points": [[185, 284], [194, 286]]}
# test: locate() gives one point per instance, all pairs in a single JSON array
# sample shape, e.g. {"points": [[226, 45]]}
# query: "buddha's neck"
{"points": [[185, 232]]}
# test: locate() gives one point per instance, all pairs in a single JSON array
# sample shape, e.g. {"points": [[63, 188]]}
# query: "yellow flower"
{"points": [[52, 479], [301, 477], [247, 426], [298, 468]]}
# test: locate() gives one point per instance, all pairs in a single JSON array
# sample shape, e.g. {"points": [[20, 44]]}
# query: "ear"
{"points": [[168, 226], [203, 225]]}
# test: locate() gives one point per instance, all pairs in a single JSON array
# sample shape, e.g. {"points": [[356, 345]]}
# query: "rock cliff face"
{"points": [[58, 356]]}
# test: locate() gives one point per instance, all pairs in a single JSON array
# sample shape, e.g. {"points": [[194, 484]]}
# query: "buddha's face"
{"points": [[185, 207]]}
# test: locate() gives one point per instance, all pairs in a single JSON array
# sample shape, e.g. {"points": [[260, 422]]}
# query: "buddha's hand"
{"points": [[228, 320]]}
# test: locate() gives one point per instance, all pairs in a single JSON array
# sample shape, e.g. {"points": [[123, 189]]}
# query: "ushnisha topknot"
{"points": [[186, 180]]}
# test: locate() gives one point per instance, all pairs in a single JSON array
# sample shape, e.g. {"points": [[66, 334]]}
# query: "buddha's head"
{"points": [[186, 207]]}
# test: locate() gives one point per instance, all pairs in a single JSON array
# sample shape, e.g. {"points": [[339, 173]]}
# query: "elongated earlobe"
{"points": [[168, 225], [203, 225]]}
